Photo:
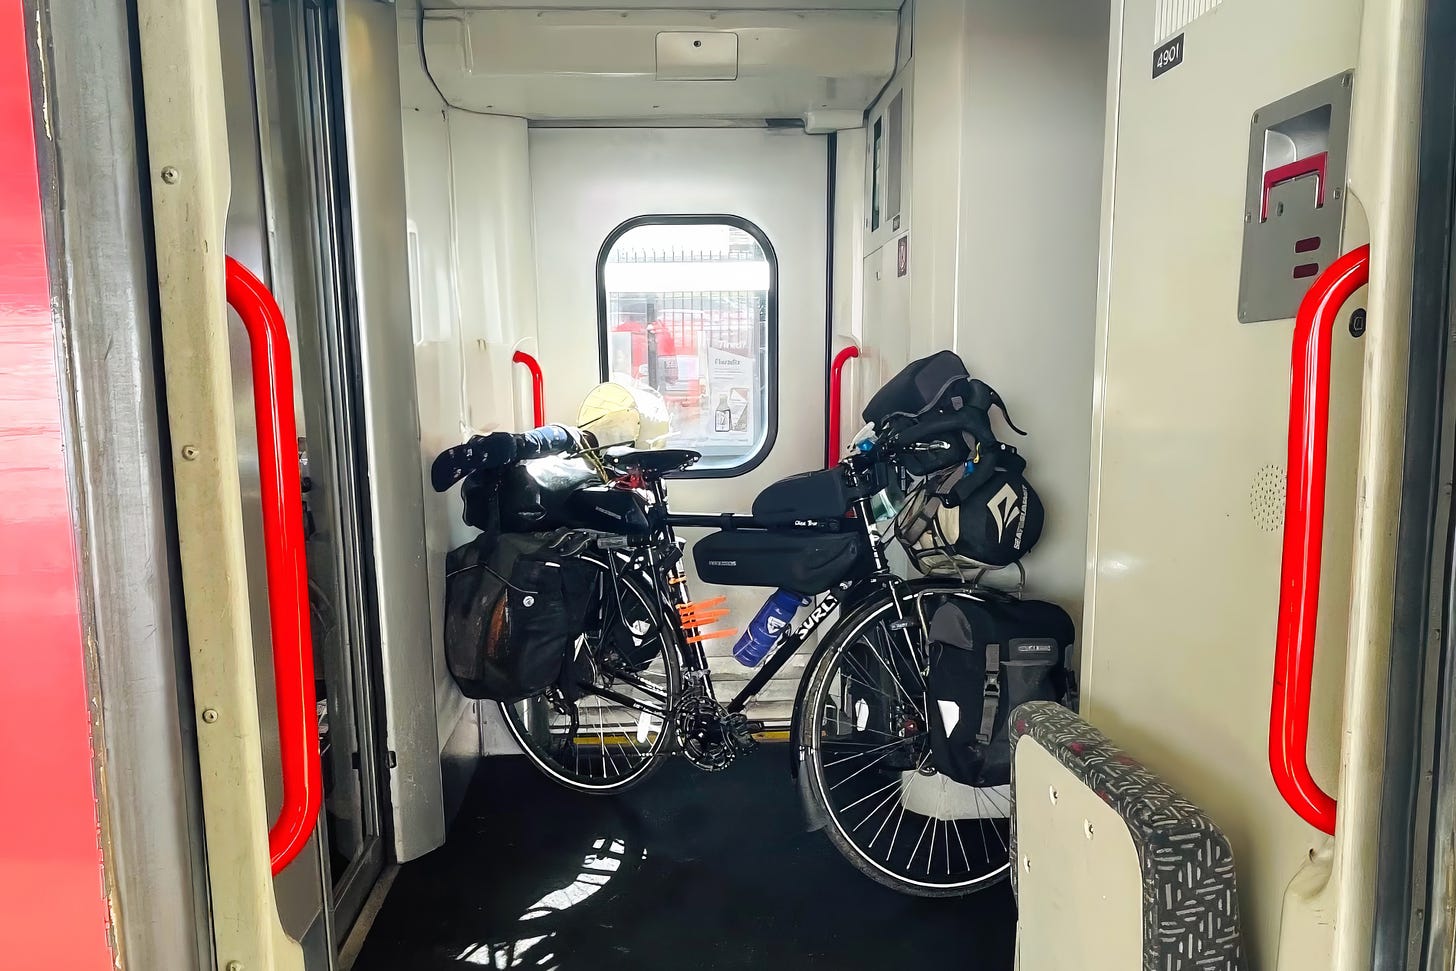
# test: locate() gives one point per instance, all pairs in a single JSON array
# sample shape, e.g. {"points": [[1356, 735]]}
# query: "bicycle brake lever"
{"points": [[984, 398], [1006, 415]]}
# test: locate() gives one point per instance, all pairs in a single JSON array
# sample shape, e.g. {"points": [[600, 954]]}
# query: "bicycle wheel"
{"points": [[613, 728], [866, 755]]}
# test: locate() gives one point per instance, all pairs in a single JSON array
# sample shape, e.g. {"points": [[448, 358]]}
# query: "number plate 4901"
{"points": [[1167, 57]]}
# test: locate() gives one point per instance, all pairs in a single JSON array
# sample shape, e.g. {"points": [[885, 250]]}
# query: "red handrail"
{"points": [[288, 617], [1304, 517], [836, 406], [538, 386]]}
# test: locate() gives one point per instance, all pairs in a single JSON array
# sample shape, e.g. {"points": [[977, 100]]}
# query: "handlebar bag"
{"points": [[988, 657], [514, 608], [804, 561]]}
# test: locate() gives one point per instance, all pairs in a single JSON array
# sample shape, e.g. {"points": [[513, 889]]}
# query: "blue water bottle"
{"points": [[768, 627]]}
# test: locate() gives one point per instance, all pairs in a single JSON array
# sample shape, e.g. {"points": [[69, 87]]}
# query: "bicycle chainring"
{"points": [[701, 735]]}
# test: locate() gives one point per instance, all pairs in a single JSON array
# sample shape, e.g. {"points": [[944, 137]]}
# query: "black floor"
{"points": [[690, 870]]}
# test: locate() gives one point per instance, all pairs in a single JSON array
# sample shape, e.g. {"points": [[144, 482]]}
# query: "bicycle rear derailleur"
{"points": [[711, 737]]}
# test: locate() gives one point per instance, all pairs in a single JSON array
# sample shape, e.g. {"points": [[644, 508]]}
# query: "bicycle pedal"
{"points": [[740, 732]]}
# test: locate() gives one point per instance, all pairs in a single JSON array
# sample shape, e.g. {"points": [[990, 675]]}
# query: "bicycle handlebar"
{"points": [[973, 418]]}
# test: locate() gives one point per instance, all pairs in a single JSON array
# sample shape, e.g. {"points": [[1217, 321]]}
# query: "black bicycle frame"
{"points": [[785, 650], [670, 580], [789, 646]]}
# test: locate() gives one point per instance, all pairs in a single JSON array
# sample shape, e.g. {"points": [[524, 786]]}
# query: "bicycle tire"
{"points": [[662, 748], [879, 608]]}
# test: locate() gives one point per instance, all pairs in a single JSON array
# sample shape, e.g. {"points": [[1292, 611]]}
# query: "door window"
{"points": [[688, 307]]}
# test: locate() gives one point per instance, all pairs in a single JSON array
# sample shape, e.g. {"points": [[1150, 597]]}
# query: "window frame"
{"points": [[771, 427]]}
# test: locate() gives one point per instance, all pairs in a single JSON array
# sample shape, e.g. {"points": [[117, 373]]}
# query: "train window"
{"points": [[688, 307]]}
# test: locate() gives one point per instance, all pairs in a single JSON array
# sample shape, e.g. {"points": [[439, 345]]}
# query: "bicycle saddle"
{"points": [[652, 462]]}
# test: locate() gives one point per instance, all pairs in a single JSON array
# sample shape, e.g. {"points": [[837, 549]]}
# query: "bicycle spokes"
{"points": [[610, 719], [876, 773]]}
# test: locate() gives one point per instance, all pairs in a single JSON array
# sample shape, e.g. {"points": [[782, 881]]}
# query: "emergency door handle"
{"points": [[538, 386], [836, 401], [1315, 165], [288, 607], [1304, 517]]}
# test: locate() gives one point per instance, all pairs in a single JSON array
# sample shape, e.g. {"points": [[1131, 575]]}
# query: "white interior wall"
{"points": [[849, 260], [473, 301], [886, 323], [1030, 178], [1191, 411], [1004, 142], [438, 364], [494, 234], [588, 182]]}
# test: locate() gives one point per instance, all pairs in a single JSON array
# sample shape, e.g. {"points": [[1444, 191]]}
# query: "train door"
{"points": [[692, 261], [280, 229]]}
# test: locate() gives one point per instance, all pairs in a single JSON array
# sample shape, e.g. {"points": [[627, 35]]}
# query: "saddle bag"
{"points": [[987, 657]]}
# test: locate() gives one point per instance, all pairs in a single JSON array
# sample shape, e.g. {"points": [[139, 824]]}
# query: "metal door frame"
{"points": [[291, 73], [1412, 924], [316, 40]]}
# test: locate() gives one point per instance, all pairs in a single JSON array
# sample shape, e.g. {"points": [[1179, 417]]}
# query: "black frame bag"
{"points": [[987, 657], [514, 609]]}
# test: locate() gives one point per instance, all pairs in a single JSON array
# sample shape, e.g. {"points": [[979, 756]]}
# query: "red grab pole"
{"points": [[836, 404], [1304, 517], [538, 386], [288, 615]]}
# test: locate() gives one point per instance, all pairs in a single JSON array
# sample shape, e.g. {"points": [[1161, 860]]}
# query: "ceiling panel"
{"points": [[580, 65], [662, 5]]}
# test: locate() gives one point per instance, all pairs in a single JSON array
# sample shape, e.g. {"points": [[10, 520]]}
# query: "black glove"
{"points": [[482, 452]]}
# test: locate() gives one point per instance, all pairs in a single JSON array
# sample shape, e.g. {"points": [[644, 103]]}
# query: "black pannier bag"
{"points": [[805, 561], [513, 611], [872, 669], [807, 496], [987, 657]]}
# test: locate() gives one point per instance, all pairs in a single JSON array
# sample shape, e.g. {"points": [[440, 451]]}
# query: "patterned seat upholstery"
{"points": [[1190, 901]]}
